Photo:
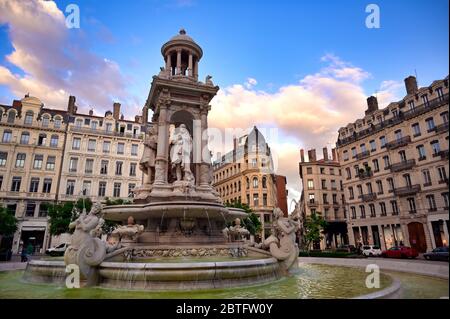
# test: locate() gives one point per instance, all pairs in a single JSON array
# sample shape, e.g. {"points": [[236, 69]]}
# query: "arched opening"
{"points": [[183, 117]]}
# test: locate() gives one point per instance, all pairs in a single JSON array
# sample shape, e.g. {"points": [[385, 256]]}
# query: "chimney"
{"points": [[91, 112], [71, 107], [144, 115], [235, 143], [411, 85], [312, 155], [325, 154], [137, 119], [302, 155], [17, 104], [372, 105], [122, 117], [334, 154], [116, 111]]}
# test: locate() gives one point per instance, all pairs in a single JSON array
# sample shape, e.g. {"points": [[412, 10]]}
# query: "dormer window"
{"points": [[57, 122], [78, 123], [94, 125], [29, 118], [11, 117]]}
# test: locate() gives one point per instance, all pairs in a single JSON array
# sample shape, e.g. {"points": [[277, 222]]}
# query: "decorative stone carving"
{"points": [[208, 80], [86, 250], [147, 163], [236, 232], [282, 243], [129, 233], [180, 154], [190, 251]]}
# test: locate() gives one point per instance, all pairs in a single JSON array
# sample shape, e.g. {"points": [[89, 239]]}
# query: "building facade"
{"points": [[322, 194], [39, 148], [246, 175], [394, 164]]}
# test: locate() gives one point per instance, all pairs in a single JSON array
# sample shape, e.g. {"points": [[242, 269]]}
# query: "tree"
{"points": [[117, 201], [313, 228], [251, 222], [8, 223], [62, 214]]}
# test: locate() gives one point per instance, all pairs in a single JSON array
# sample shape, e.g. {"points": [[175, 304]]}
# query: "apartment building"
{"points": [[394, 163], [322, 194], [50, 155], [246, 175]]}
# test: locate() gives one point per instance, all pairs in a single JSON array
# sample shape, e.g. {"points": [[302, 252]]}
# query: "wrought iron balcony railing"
{"points": [[398, 143], [397, 167], [407, 190]]}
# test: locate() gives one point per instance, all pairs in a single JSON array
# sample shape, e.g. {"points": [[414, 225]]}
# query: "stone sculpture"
{"points": [[129, 233], [236, 232], [282, 243], [147, 163], [87, 250], [180, 154]]}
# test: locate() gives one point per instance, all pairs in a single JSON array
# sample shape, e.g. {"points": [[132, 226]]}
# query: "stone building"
{"points": [[50, 155], [322, 193], [246, 175], [394, 165]]}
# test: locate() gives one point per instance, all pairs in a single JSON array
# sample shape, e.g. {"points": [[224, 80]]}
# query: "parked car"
{"points": [[57, 250], [371, 250], [400, 252], [439, 253]]}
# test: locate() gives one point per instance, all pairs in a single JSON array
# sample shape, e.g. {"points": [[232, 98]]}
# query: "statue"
{"points": [[147, 163], [208, 80], [128, 233], [87, 250], [282, 243], [180, 154], [236, 232]]}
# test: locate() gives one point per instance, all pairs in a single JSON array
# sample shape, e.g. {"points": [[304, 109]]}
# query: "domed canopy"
{"points": [[182, 41]]}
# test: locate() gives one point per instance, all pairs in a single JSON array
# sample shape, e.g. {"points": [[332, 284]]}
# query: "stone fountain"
{"points": [[175, 234]]}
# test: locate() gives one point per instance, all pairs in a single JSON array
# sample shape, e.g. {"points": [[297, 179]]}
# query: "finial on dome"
{"points": [[182, 31]]}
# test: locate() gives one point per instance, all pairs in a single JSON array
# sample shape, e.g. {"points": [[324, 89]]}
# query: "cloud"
{"points": [[250, 83], [56, 61]]}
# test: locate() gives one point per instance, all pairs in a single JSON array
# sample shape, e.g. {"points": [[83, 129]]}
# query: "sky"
{"points": [[304, 68]]}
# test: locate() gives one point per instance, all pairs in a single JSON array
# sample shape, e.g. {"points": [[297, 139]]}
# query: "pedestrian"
{"points": [[23, 255]]}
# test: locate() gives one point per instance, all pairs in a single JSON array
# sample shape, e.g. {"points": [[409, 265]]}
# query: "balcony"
{"points": [[363, 174], [407, 190], [362, 155], [403, 165], [368, 197], [442, 128], [398, 143], [444, 154], [312, 204], [105, 132]]}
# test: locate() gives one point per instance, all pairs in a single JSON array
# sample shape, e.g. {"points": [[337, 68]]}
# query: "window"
{"points": [[436, 147], [43, 210], [28, 118], [442, 174], [445, 199], [15, 185], [34, 185], [324, 184], [89, 168], [431, 203], [351, 193], [47, 186], [387, 163], [391, 184], [430, 124], [372, 210], [376, 166], [383, 209], [86, 188], [310, 184], [101, 189], [94, 125], [54, 141], [70, 188], [104, 167], [333, 184], [421, 151], [416, 129], [349, 173], [91, 145], [87, 121], [369, 188], [50, 166], [132, 169], [331, 171], [45, 121], [264, 199], [345, 155], [335, 199], [30, 209], [255, 182], [255, 200], [76, 143], [78, 123], [444, 117], [3, 158], [362, 209], [360, 191], [411, 105], [130, 189], [134, 149], [73, 164], [398, 135], [106, 146], [325, 199], [373, 146], [120, 148], [20, 160], [42, 139], [38, 160], [383, 141], [116, 191], [353, 209], [11, 117], [108, 127], [440, 94], [426, 177], [412, 205], [394, 207], [57, 123], [380, 187], [254, 162], [264, 182], [25, 138], [309, 170], [402, 155], [7, 136], [311, 198], [354, 152], [119, 168], [425, 99]]}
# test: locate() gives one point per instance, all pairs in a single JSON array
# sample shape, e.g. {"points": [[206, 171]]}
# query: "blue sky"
{"points": [[307, 66]]}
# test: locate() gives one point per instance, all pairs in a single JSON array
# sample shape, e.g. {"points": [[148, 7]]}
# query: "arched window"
{"points": [[264, 182], [42, 139], [255, 182], [25, 138], [29, 117], [7, 136], [57, 122], [11, 116], [45, 120]]}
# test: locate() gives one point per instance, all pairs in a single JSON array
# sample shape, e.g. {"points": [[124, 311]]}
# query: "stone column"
{"points": [[178, 62], [190, 66], [196, 69], [430, 229], [169, 63], [381, 232], [163, 141], [205, 165]]}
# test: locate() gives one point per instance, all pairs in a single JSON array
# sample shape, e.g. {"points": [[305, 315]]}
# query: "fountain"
{"points": [[175, 234]]}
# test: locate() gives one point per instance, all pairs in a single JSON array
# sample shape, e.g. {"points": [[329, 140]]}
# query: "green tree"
{"points": [[116, 201], [313, 228], [251, 222], [62, 214], [8, 223]]}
